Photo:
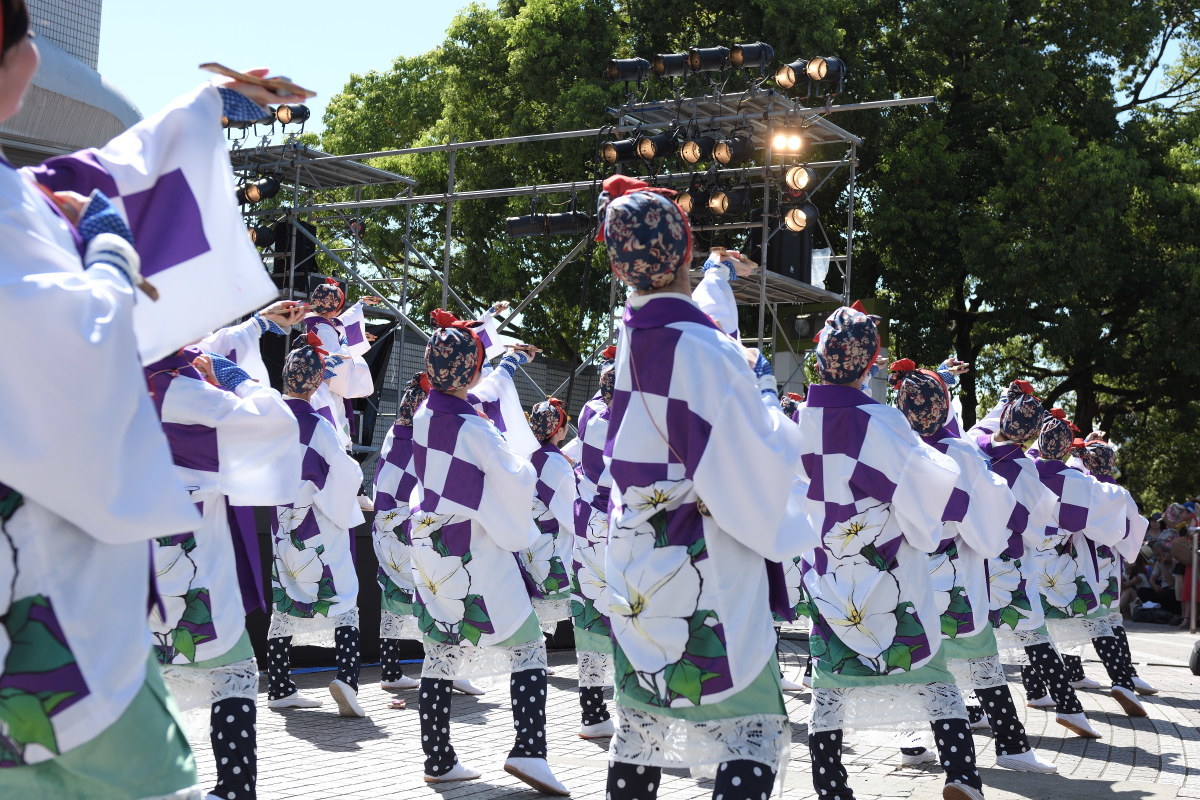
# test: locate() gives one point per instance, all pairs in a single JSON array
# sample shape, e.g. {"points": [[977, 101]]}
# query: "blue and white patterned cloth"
{"points": [[236, 107], [100, 216], [714, 261], [227, 373], [517, 358], [265, 325]]}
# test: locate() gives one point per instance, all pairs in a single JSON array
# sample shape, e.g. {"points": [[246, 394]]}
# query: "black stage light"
{"points": [[528, 225], [262, 236], [750, 56], [800, 217], [261, 189], [651, 147], [670, 65], [733, 151], [732, 201], [787, 140], [619, 150], [697, 149], [571, 222], [627, 69], [708, 59], [292, 114], [826, 69], [800, 179], [694, 199], [789, 75]]}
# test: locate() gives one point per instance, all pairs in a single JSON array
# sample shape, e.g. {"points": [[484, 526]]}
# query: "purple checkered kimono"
{"points": [[959, 564], [879, 497], [546, 562], [230, 449], [343, 342], [394, 485], [495, 396], [86, 483], [1108, 561], [1086, 511], [702, 477], [240, 343], [313, 581], [471, 513]]}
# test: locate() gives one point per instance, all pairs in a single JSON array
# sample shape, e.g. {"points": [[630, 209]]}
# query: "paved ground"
{"points": [[317, 755]]}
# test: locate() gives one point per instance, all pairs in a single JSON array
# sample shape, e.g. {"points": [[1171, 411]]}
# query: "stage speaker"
{"points": [[788, 253], [306, 256]]}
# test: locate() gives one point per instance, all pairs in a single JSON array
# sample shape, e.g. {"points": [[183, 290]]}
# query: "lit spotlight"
{"points": [[733, 151], [826, 69], [787, 140], [293, 114], [791, 74], [697, 149], [651, 147], [733, 201], [800, 179], [261, 189], [800, 217]]}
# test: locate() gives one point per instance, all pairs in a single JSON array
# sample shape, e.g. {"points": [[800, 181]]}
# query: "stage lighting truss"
{"points": [[694, 199], [252, 192], [697, 148], [568, 223], [630, 70]]}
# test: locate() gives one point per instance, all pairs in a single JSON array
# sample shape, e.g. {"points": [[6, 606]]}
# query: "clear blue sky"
{"points": [[150, 49]]}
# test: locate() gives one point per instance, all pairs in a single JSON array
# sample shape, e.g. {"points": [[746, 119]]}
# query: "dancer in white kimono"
{"points": [[589, 590], [233, 441], [697, 681], [314, 588], [545, 563], [471, 515], [959, 568], [341, 339], [881, 497], [85, 710], [1017, 613], [394, 484]]}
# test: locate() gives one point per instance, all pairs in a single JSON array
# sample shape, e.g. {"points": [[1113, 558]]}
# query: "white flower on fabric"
{"points": [[388, 521], [657, 495], [792, 578], [395, 557], [444, 583], [540, 510], [174, 572], [1003, 579], [654, 596], [8, 572], [1056, 580], [299, 571], [597, 528], [848, 538], [943, 576], [290, 518], [536, 559], [425, 523], [859, 602], [591, 577]]}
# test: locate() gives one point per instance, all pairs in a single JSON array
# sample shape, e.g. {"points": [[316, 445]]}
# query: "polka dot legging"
{"points": [[1045, 672], [234, 740], [952, 737], [347, 655], [1123, 649], [528, 691], [1007, 731], [591, 702], [736, 780], [389, 658]]}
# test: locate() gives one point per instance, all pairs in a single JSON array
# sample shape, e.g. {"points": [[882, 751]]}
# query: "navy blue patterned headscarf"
{"points": [[608, 374], [847, 346], [1099, 458], [647, 236], [414, 394], [1055, 439], [454, 354], [303, 370], [1021, 418], [923, 398], [547, 419], [326, 297]]}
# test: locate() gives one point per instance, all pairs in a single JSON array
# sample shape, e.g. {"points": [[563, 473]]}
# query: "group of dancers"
{"points": [[695, 511]]}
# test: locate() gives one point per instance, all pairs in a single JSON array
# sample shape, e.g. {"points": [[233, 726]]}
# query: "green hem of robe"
{"points": [[979, 645], [762, 696], [398, 607], [588, 642], [933, 672], [143, 754], [241, 651]]}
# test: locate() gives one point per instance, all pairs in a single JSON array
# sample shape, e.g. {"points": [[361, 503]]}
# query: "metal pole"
{"points": [[850, 223], [567, 259], [1192, 588], [763, 256], [449, 227]]}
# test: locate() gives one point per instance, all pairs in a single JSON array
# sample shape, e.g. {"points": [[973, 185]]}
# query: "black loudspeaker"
{"points": [[1194, 661], [306, 255], [788, 253]]}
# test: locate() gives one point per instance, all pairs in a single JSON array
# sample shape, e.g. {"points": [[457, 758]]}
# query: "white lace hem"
{"points": [[200, 687], [450, 661], [312, 631], [1115, 619], [551, 611], [1070, 636], [888, 706], [399, 626], [977, 673], [659, 740], [595, 669], [1012, 644], [191, 793]]}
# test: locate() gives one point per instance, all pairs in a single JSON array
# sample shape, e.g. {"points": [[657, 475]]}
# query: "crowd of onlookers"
{"points": [[1159, 582]]}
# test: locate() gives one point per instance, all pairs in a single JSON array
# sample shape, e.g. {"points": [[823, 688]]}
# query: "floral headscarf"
{"points": [[326, 297], [647, 235], [454, 354], [1099, 458], [923, 398], [1021, 417], [848, 345], [303, 370], [789, 403], [414, 394], [608, 374], [1055, 440], [547, 419]]}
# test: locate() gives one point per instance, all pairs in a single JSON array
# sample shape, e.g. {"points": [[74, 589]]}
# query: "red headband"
{"points": [[609, 353]]}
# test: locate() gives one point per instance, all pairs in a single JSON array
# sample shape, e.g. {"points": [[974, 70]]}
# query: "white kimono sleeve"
{"points": [[991, 505], [338, 498], [561, 478], [989, 424], [1135, 530], [498, 386], [746, 473], [351, 375], [81, 436], [256, 438], [508, 486], [1107, 521], [1038, 500], [241, 344], [922, 492], [355, 324], [714, 295]]}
